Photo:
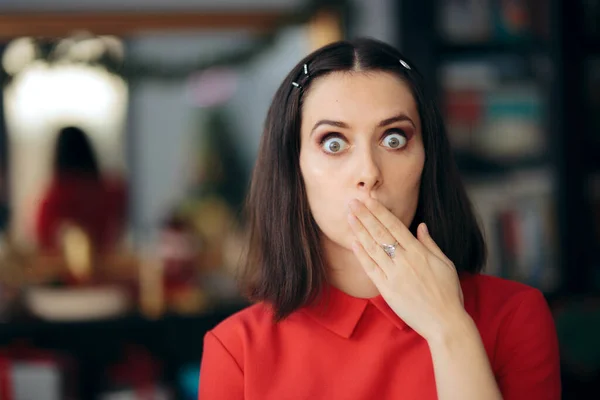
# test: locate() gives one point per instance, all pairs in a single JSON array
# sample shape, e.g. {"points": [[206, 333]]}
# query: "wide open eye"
{"points": [[333, 144], [395, 140]]}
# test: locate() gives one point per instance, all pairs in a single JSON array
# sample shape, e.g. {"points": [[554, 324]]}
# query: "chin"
{"points": [[337, 238]]}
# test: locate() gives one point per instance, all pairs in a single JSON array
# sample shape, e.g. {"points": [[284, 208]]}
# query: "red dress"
{"points": [[98, 207], [360, 349]]}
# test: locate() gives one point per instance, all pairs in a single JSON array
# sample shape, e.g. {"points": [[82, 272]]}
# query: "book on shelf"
{"points": [[464, 20], [493, 110], [517, 215], [497, 21]]}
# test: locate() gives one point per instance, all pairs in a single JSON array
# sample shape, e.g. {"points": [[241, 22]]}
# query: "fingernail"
{"points": [[425, 230], [353, 204]]}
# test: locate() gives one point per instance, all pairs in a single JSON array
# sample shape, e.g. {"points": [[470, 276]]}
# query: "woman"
{"points": [[79, 195], [365, 255]]}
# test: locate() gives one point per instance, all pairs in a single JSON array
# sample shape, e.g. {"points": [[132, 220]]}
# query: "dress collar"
{"points": [[340, 313]]}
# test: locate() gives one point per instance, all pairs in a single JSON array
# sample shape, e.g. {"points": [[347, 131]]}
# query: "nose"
{"points": [[369, 171]]}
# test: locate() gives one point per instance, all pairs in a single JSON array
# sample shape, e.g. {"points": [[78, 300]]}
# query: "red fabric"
{"points": [[6, 390], [359, 349], [23, 352], [138, 370], [96, 206]]}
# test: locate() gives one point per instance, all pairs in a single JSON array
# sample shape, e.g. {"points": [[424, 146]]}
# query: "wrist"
{"points": [[458, 328]]}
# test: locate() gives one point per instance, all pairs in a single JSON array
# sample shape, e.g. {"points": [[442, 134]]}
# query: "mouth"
{"points": [[362, 200]]}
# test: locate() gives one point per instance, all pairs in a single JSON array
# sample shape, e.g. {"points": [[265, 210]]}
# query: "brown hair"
{"points": [[284, 264], [75, 154]]}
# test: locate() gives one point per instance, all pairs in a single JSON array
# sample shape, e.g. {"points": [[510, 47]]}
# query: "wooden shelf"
{"points": [[28, 326], [128, 23]]}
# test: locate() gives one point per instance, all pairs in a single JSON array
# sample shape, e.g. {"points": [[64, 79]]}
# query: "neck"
{"points": [[345, 271]]}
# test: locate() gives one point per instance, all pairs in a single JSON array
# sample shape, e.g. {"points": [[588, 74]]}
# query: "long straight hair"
{"points": [[284, 260]]}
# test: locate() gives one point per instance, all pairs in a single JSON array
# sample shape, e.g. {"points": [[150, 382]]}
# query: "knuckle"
{"points": [[380, 232], [421, 254]]}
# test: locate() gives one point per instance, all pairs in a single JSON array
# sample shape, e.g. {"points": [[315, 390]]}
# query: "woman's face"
{"points": [[360, 138]]}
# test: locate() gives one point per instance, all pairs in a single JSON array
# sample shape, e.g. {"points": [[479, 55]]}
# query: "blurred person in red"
{"points": [[79, 195]]}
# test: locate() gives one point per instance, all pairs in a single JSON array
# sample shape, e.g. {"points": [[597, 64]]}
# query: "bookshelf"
{"points": [[550, 201], [513, 80]]}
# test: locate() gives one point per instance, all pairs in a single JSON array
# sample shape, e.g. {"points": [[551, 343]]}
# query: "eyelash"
{"points": [[331, 135]]}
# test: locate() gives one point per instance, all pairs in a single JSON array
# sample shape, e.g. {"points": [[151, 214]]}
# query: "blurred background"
{"points": [[128, 130]]}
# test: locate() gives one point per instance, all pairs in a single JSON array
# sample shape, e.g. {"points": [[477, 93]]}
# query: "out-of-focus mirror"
{"points": [[136, 147]]}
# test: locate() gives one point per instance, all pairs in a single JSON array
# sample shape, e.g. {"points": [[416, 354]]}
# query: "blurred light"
{"points": [[84, 47], [61, 50], [212, 86], [18, 54], [76, 92], [114, 46], [87, 50], [324, 29]]}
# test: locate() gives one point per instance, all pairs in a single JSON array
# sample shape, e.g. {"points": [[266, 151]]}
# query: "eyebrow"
{"points": [[383, 123]]}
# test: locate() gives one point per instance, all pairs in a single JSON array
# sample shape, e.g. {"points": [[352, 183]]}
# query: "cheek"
{"points": [[325, 197], [413, 168], [316, 171], [318, 181], [314, 175], [405, 188], [412, 178]]}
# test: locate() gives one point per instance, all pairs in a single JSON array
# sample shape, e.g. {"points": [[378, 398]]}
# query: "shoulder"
{"points": [[490, 293], [499, 286], [504, 307], [507, 310], [519, 334], [238, 330], [256, 316]]}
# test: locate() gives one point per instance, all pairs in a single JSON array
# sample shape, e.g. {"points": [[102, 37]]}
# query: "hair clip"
{"points": [[296, 84], [404, 64]]}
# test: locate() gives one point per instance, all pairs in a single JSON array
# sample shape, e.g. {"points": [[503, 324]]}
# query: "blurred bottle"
{"points": [[178, 253]]}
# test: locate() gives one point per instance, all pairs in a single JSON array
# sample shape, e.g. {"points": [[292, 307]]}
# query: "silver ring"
{"points": [[390, 249]]}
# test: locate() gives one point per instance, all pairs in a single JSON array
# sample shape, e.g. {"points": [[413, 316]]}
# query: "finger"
{"points": [[371, 247], [396, 228], [372, 269], [375, 228], [425, 238]]}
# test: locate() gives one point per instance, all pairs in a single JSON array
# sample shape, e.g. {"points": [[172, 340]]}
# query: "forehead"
{"points": [[358, 95]]}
